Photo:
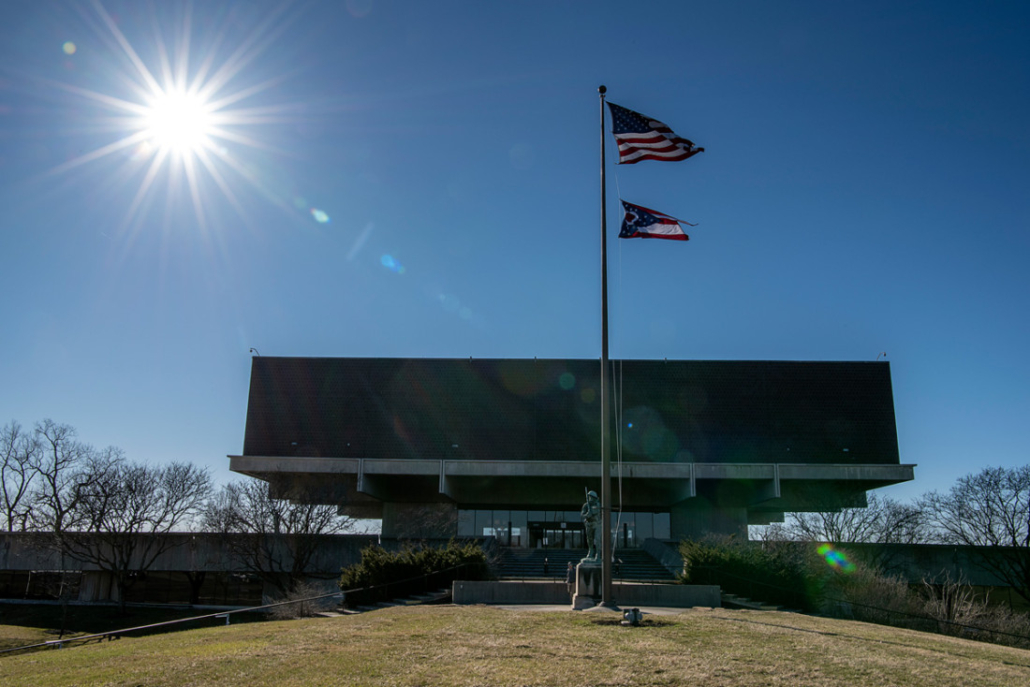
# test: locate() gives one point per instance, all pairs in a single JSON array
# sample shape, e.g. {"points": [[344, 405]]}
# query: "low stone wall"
{"points": [[667, 595], [505, 593], [197, 552], [469, 592]]}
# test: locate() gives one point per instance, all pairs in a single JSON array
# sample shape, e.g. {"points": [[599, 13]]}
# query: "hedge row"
{"points": [[382, 575], [785, 575]]}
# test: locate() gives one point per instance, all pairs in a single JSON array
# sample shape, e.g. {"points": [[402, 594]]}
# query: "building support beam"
{"points": [[769, 489], [369, 485]]}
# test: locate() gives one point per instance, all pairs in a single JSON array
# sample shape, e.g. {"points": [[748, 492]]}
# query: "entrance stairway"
{"points": [[434, 597], [636, 564], [740, 602]]}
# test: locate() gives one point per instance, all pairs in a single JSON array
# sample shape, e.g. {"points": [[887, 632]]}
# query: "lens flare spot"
{"points": [[320, 216], [646, 434], [520, 381], [143, 151], [567, 380], [390, 263], [587, 395], [69, 48], [449, 302], [359, 8], [835, 559]]}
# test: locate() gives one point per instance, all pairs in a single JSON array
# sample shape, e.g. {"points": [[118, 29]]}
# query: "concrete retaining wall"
{"points": [[667, 595], [183, 551], [467, 592], [503, 593]]}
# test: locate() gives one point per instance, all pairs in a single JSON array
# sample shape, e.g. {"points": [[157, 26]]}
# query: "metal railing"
{"points": [[398, 589], [380, 592], [117, 634], [870, 613]]}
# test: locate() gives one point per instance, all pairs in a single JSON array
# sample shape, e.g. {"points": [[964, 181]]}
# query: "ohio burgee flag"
{"points": [[644, 223]]}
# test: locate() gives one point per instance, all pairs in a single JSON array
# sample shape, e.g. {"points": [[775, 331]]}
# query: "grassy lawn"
{"points": [[448, 645], [24, 624]]}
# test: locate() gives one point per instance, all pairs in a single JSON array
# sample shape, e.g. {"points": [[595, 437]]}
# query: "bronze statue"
{"points": [[591, 514]]}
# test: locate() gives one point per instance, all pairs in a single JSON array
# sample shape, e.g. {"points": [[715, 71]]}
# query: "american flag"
{"points": [[643, 138], [644, 223]]}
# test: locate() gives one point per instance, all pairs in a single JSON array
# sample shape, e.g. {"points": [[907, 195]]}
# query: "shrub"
{"points": [[822, 578], [383, 574], [304, 605], [945, 606], [773, 572], [870, 596], [957, 610]]}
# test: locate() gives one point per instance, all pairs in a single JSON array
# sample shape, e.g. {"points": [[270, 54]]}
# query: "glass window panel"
{"points": [[499, 522], [645, 527], [626, 528], [661, 526], [467, 523], [484, 522]]}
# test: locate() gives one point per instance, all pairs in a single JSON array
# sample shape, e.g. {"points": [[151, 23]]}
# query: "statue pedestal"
{"points": [[588, 585]]}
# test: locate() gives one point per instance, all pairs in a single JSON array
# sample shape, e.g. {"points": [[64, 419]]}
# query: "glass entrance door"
{"points": [[556, 535]]}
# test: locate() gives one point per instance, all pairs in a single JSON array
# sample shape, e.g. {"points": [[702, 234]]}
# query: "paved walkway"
{"points": [[647, 610]]}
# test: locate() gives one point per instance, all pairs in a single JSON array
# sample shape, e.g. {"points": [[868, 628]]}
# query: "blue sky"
{"points": [[421, 179]]}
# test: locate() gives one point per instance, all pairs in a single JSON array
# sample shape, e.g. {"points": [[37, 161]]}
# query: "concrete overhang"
{"points": [[772, 487]]}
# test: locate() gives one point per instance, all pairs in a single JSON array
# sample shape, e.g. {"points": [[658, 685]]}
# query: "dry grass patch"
{"points": [[13, 636], [466, 646]]}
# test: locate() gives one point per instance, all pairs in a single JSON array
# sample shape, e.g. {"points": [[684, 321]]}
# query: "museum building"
{"points": [[507, 447]]}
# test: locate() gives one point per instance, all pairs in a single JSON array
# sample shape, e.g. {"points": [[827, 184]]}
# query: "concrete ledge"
{"points": [[667, 595], [267, 466], [468, 592], [554, 593]]}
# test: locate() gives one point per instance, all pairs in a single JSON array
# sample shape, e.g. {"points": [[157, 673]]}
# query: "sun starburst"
{"points": [[182, 112], [178, 122]]}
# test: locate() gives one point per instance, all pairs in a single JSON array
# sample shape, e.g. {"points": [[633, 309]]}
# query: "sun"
{"points": [[185, 115], [178, 123]]}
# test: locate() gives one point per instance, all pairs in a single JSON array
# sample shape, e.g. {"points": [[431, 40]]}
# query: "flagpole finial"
{"points": [[601, 89]]}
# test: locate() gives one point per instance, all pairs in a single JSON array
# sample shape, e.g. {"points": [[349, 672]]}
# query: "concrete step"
{"points": [[635, 564], [734, 601], [416, 600]]}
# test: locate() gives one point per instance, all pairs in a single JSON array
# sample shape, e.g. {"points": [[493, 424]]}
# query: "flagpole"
{"points": [[606, 471]]}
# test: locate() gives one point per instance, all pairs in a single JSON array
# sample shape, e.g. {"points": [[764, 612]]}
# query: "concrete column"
{"points": [[697, 517], [420, 520]]}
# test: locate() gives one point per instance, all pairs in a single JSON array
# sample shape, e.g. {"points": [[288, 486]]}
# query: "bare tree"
{"points": [[989, 510], [18, 451], [273, 538], [882, 521], [124, 512], [63, 467]]}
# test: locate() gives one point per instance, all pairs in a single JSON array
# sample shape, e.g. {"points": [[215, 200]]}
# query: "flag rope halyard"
{"points": [[606, 482]]}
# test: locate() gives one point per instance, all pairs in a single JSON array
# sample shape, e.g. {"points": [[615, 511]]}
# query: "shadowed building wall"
{"points": [[717, 445]]}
